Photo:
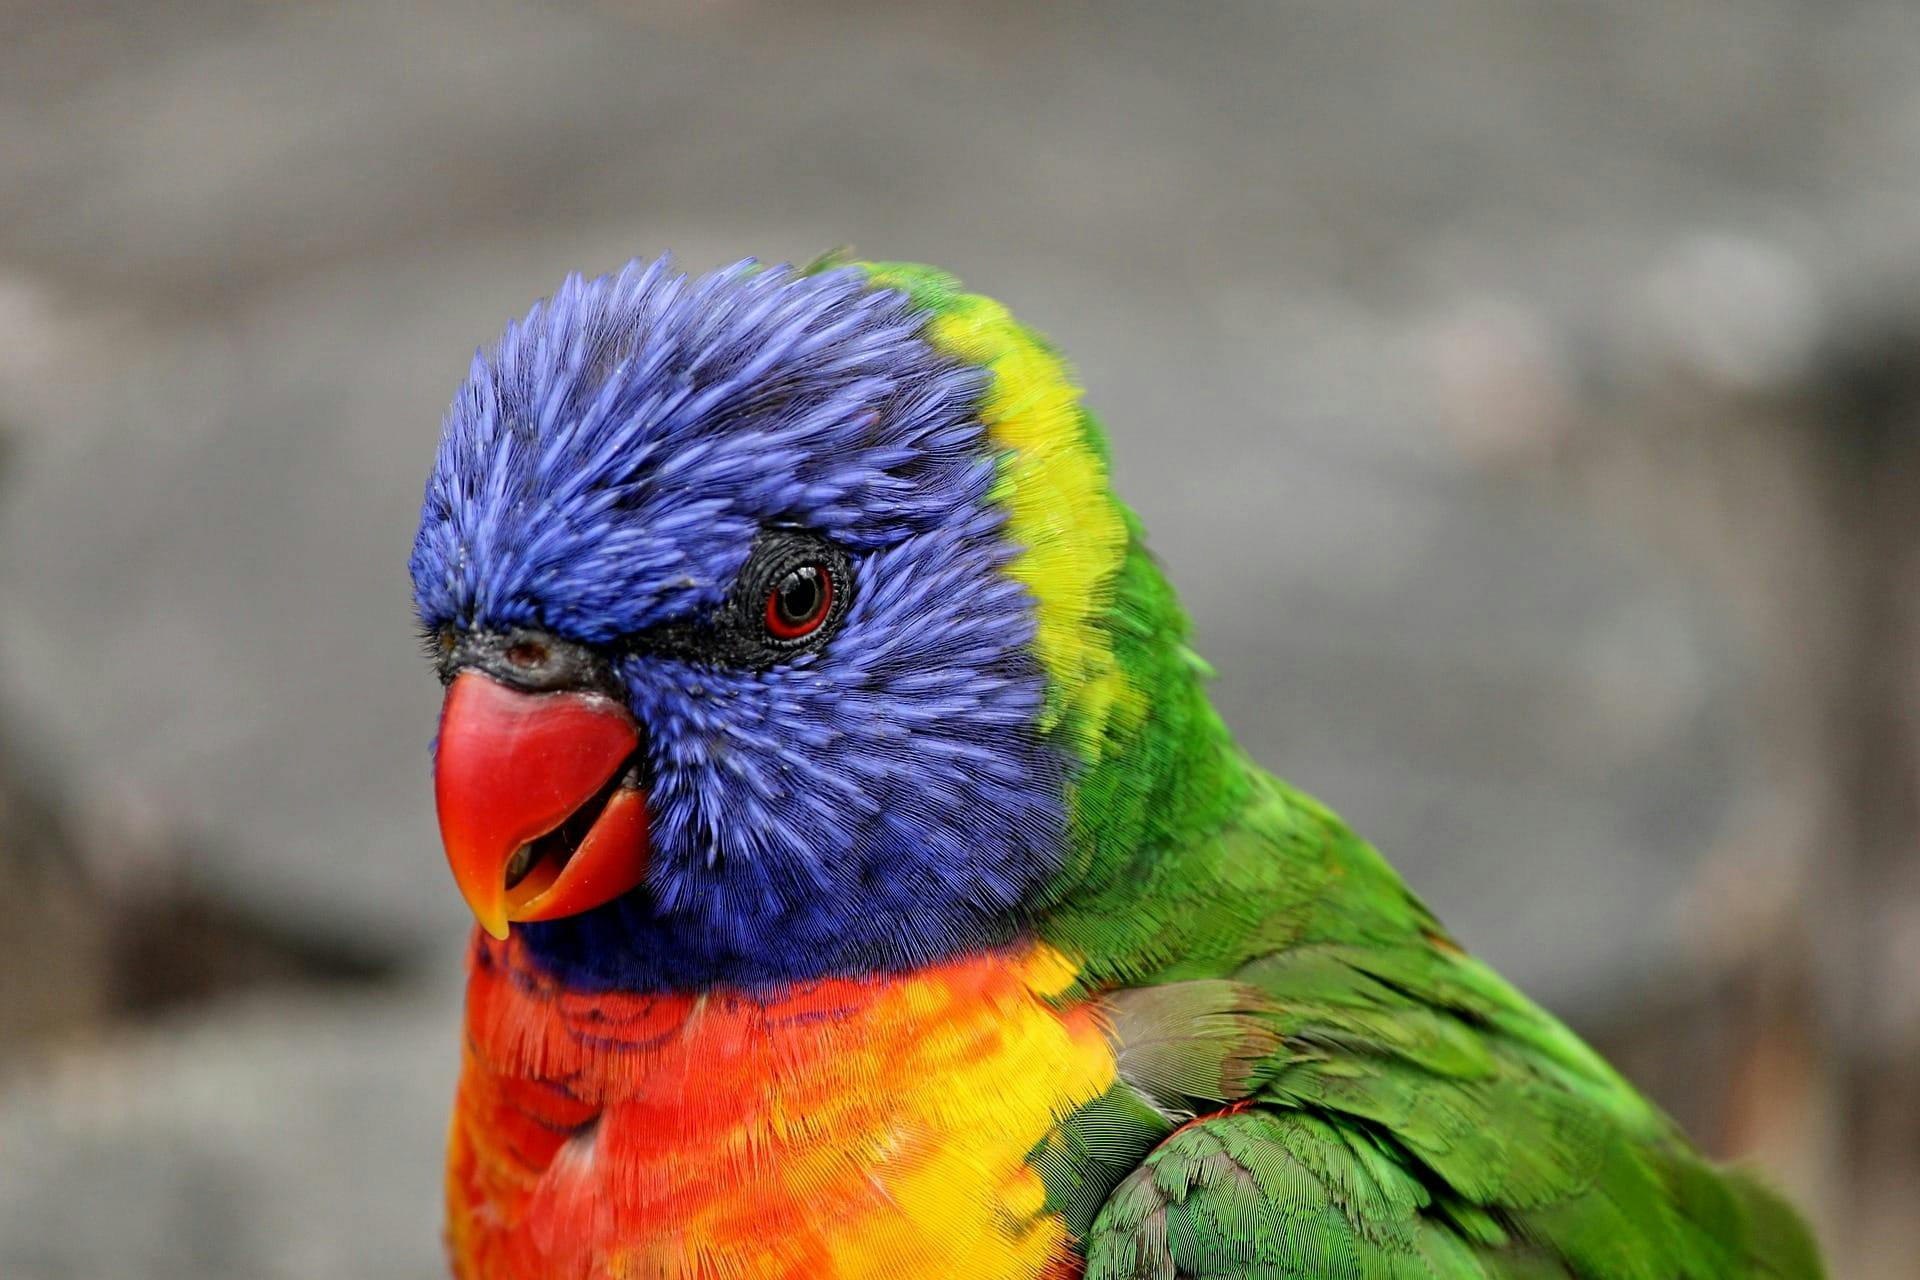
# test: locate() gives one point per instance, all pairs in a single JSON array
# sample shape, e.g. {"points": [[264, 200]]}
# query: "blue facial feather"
{"points": [[874, 805]]}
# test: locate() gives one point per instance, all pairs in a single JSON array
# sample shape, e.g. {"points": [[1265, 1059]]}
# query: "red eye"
{"points": [[799, 603]]}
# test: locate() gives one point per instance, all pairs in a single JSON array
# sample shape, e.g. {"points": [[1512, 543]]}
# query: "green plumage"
{"points": [[1313, 1079], [1373, 1101]]}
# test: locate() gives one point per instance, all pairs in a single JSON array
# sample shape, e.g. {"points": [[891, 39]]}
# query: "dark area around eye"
{"points": [[787, 600]]}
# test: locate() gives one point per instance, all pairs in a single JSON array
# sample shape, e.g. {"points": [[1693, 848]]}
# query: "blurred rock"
{"points": [[105, 942], [284, 1136], [63, 934]]}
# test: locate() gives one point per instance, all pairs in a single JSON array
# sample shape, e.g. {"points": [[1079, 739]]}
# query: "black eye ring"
{"points": [[790, 595], [788, 600]]}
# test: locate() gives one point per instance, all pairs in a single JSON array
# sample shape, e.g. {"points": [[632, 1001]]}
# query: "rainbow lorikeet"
{"points": [[868, 889]]}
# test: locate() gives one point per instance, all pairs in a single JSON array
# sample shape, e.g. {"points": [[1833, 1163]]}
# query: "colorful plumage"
{"points": [[869, 888]]}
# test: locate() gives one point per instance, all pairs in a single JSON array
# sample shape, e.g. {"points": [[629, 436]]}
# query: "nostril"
{"points": [[532, 661]]}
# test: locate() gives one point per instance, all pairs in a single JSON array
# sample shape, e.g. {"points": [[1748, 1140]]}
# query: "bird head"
{"points": [[781, 615]]}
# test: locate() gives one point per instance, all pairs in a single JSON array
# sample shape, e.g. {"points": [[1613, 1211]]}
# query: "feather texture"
{"points": [[725, 1136], [972, 945]]}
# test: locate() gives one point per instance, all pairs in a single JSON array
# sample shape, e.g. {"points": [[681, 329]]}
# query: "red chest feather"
{"points": [[848, 1128]]}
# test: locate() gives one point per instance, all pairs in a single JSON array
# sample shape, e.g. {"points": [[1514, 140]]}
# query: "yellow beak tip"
{"points": [[491, 916]]}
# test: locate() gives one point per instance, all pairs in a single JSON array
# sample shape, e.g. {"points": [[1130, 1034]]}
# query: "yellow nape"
{"points": [[1061, 512]]}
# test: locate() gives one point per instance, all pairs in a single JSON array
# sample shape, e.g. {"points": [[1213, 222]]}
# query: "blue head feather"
{"points": [[876, 804]]}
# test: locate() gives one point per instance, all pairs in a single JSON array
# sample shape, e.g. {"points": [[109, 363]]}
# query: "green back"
{"points": [[1314, 1080], [1412, 1114]]}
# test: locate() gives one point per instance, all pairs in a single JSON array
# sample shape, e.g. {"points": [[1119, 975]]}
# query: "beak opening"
{"points": [[540, 805]]}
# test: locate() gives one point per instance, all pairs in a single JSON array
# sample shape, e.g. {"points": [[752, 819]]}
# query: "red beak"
{"points": [[535, 808]]}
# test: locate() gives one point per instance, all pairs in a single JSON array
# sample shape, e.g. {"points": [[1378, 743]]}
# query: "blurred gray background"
{"points": [[1526, 398]]}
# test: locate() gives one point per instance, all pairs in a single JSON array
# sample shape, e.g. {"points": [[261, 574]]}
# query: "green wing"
{"points": [[1371, 1101], [1285, 1194]]}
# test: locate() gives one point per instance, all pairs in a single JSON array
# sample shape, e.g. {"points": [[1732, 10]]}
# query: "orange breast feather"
{"points": [[850, 1128]]}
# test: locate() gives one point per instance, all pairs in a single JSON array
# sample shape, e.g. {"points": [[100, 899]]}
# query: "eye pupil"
{"points": [[799, 595], [799, 603]]}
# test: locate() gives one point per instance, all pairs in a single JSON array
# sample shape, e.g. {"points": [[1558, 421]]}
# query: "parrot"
{"points": [[867, 889]]}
